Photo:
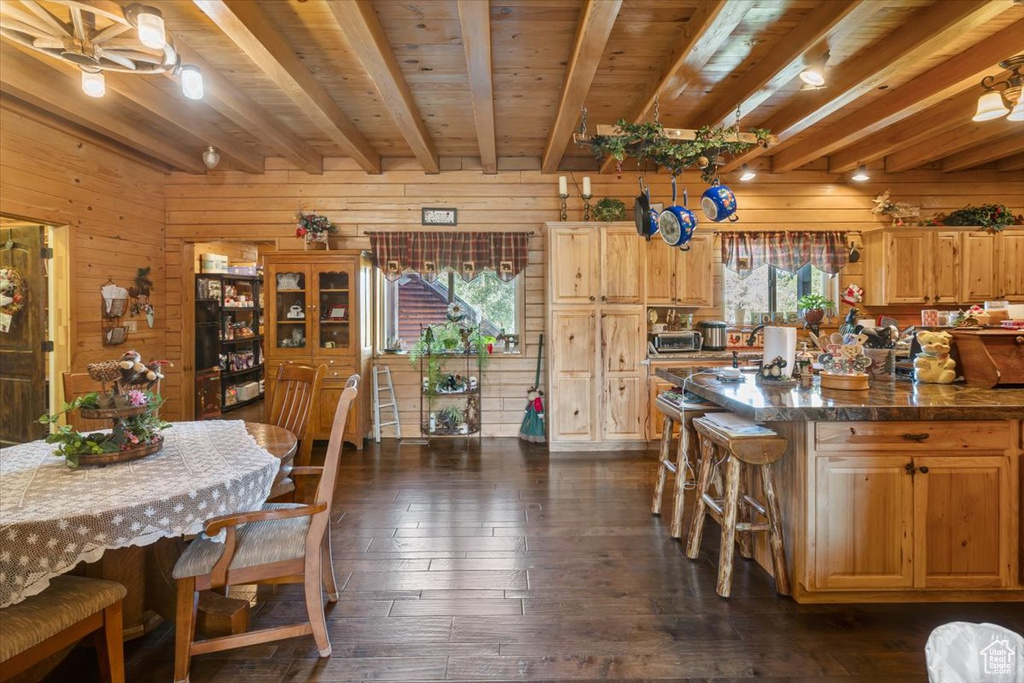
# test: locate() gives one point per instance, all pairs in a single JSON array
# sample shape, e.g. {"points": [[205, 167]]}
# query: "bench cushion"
{"points": [[255, 544], [68, 600]]}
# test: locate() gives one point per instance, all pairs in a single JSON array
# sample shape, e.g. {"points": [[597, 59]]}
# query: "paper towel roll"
{"points": [[780, 341]]}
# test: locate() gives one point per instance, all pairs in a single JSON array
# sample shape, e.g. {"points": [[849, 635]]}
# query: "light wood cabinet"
{"points": [[316, 310], [573, 332], [911, 266], [622, 266], [622, 339], [680, 278], [925, 514], [1011, 264], [980, 268], [573, 253]]}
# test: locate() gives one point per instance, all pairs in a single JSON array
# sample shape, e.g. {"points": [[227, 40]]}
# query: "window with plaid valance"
{"points": [[790, 250], [466, 253]]}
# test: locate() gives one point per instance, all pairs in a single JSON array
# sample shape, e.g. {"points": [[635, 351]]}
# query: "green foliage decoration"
{"points": [[991, 217], [610, 209], [810, 302]]}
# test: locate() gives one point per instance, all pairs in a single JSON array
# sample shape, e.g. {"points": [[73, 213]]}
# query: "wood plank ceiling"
{"points": [[496, 80]]}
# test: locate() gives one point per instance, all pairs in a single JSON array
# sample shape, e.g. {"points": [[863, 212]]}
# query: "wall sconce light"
{"points": [[1003, 98], [586, 194], [861, 174], [746, 173], [563, 192]]}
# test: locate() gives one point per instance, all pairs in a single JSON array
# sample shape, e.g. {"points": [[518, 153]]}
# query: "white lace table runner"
{"points": [[52, 517]]}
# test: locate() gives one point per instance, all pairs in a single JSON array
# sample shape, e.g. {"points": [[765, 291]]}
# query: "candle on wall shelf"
{"points": [[586, 187], [563, 186]]}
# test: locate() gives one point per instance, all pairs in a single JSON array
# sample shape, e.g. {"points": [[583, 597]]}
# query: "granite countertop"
{"points": [[697, 356], [893, 400]]}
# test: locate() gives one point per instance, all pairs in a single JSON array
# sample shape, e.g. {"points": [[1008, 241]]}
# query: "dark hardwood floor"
{"points": [[497, 561]]}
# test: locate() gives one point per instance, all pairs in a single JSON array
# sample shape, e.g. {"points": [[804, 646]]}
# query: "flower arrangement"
{"points": [[12, 295], [647, 140], [991, 217], [313, 227]]}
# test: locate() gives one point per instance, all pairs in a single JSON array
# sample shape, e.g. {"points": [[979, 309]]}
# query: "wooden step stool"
{"points": [[740, 453], [686, 455]]}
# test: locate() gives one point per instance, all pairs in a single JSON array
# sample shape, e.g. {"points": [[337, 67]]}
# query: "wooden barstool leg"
{"points": [[663, 454], [683, 460], [700, 507], [746, 513], [729, 509], [775, 539]]}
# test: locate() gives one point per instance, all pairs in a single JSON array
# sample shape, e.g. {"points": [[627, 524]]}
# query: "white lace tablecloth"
{"points": [[52, 517]]}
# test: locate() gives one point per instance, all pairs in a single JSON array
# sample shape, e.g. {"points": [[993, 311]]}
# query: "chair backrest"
{"points": [[295, 392], [325, 488], [78, 384]]}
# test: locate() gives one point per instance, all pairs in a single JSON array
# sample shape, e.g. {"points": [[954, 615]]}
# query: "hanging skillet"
{"points": [[646, 220], [677, 223]]}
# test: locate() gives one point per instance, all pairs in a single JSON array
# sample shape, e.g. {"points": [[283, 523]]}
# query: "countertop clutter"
{"points": [[893, 400]]}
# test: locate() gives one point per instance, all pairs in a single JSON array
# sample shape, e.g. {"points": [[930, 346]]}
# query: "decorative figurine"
{"points": [[933, 365], [773, 370]]}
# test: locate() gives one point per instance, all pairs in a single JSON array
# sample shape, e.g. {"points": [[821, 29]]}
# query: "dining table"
{"points": [[53, 517]]}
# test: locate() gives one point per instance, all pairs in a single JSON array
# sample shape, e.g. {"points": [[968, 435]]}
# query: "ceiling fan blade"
{"points": [[48, 43]]}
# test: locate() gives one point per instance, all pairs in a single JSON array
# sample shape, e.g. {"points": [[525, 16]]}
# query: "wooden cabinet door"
{"points": [[980, 281], [946, 268], [964, 529], [660, 278], [908, 267], [622, 266], [288, 296], [622, 405], [334, 309], [694, 274], [863, 522], [573, 358], [1011, 264], [573, 265], [655, 420]]}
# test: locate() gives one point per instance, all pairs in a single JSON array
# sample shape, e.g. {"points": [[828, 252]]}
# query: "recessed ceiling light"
{"points": [[814, 73]]}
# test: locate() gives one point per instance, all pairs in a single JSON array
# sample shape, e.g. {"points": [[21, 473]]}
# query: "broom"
{"points": [[533, 422]]}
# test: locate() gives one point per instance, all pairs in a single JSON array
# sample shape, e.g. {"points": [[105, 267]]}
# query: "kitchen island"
{"points": [[903, 492]]}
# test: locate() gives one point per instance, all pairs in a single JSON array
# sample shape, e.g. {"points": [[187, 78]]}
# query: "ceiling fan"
{"points": [[98, 36]]}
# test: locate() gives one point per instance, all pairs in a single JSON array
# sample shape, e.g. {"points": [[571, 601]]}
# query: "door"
{"points": [[573, 265], [964, 529], [573, 358], [863, 521], [908, 267], [622, 266], [980, 280], [23, 387], [1011, 265], [289, 334], [660, 273], [694, 275], [623, 388], [946, 268]]}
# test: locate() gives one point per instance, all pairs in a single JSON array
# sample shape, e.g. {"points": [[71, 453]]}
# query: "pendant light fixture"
{"points": [[211, 158], [1003, 98], [814, 73], [149, 22], [861, 175], [191, 81], [93, 83]]}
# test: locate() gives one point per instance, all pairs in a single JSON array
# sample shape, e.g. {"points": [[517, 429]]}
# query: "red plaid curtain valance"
{"points": [[744, 252], [466, 253]]}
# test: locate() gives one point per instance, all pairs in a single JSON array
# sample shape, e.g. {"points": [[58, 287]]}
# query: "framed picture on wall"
{"points": [[439, 216]]}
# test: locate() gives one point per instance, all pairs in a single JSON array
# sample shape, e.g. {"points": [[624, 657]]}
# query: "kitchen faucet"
{"points": [[753, 334]]}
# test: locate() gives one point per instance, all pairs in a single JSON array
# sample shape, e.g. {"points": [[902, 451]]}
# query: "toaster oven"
{"points": [[677, 342]]}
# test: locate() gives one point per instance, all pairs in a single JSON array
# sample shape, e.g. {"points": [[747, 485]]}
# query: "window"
{"points": [[410, 303], [769, 290]]}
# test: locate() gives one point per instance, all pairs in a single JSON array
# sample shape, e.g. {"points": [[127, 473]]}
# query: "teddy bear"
{"points": [[933, 365]]}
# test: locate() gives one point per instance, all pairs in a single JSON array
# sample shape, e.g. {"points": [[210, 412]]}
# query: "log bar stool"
{"points": [[686, 454], [739, 453]]}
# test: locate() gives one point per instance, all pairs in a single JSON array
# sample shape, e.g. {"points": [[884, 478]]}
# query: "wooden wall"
{"points": [[236, 206], [115, 209]]}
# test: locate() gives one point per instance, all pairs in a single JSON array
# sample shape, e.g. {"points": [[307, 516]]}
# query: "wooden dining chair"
{"points": [[78, 384], [295, 393], [282, 543]]}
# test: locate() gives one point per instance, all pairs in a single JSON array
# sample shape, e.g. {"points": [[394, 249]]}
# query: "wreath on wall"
{"points": [[12, 291]]}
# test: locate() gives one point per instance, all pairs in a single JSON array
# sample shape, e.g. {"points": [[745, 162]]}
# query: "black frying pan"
{"points": [[642, 212]]}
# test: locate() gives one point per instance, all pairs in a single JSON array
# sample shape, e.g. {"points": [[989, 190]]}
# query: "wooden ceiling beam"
{"points": [[702, 36], [475, 21], [910, 131], [360, 24], [993, 151], [924, 33], [250, 29], [964, 137], [1014, 163], [59, 92], [222, 95], [918, 94], [179, 114], [783, 63], [595, 25]]}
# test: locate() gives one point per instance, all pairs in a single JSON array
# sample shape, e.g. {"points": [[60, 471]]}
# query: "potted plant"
{"points": [[610, 209], [814, 307]]}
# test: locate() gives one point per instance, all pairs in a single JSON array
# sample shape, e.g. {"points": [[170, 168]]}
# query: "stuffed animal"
{"points": [[933, 365]]}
